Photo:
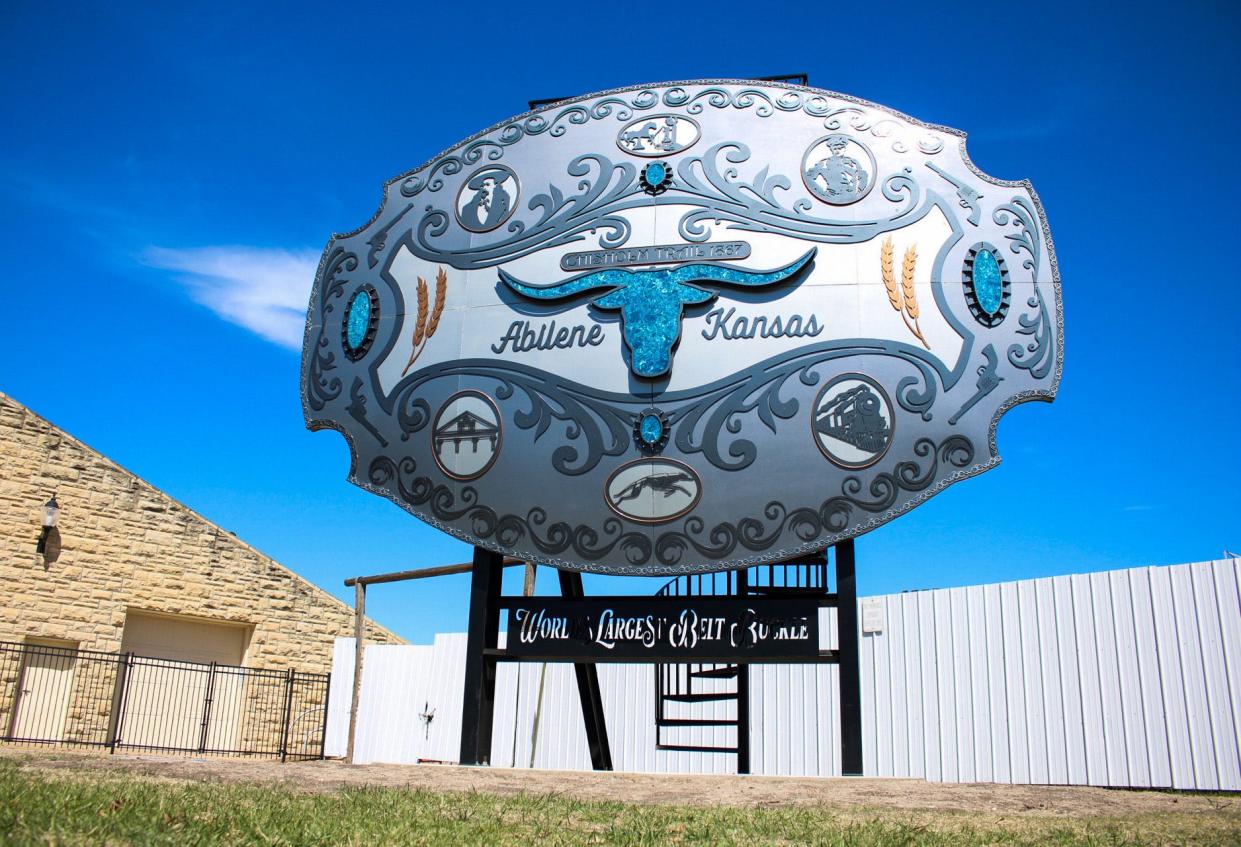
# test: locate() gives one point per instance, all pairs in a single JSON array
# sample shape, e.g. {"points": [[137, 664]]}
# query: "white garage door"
{"points": [[186, 639], [167, 702]]}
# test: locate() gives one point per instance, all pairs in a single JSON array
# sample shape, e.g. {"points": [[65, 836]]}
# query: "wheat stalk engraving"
{"points": [[889, 278], [902, 295], [441, 292], [427, 321], [908, 266], [420, 320]]}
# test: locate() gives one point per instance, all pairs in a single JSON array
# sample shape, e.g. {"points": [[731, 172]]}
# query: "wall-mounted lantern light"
{"points": [[51, 513]]}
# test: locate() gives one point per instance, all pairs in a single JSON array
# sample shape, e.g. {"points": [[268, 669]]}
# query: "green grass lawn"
{"points": [[88, 809]]}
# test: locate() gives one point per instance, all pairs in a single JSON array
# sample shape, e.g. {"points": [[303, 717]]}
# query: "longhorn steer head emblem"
{"points": [[652, 302]]}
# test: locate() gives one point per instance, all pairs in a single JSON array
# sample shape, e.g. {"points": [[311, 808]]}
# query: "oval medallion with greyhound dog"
{"points": [[653, 490]]}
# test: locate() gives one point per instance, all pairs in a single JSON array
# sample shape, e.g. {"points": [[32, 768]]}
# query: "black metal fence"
{"points": [[83, 698]]}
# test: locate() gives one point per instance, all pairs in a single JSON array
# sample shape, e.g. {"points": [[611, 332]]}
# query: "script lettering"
{"points": [[523, 337], [730, 327]]}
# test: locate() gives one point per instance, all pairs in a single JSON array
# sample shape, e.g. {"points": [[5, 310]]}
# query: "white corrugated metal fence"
{"points": [[1121, 678]]}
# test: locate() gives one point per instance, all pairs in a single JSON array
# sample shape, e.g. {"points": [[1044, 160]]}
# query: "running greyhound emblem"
{"points": [[652, 301], [664, 483]]}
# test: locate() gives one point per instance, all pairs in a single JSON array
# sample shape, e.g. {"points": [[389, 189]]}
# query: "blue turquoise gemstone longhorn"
{"points": [[652, 301]]}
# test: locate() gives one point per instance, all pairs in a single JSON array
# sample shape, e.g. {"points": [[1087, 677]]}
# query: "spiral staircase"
{"points": [[704, 707]]}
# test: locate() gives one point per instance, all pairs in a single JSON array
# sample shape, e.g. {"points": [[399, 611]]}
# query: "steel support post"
{"points": [[850, 664], [288, 715], [359, 644], [588, 688], [119, 696], [207, 701], [480, 669], [743, 691]]}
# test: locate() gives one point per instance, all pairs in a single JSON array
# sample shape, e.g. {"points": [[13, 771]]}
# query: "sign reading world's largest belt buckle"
{"points": [[683, 327], [644, 629]]}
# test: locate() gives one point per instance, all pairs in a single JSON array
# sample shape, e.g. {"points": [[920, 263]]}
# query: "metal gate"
{"points": [[83, 698]]}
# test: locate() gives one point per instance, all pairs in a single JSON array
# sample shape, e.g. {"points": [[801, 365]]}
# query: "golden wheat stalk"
{"points": [[441, 293], [889, 278], [908, 268], [420, 322], [425, 324]]}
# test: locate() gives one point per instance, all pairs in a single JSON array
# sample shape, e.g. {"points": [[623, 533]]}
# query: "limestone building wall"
{"points": [[122, 544]]}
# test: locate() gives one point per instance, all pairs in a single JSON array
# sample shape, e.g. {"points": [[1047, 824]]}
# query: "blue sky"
{"points": [[169, 175]]}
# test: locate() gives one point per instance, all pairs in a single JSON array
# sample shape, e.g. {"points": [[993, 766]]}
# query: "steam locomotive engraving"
{"points": [[852, 421]]}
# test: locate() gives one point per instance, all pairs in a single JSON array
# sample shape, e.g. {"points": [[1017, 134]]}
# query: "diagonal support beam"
{"points": [[588, 688]]}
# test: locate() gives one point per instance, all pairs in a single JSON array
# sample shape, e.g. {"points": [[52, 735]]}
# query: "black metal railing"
{"points": [[696, 696], [121, 701]]}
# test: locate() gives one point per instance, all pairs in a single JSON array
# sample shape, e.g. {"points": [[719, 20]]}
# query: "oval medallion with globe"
{"points": [[683, 327]]}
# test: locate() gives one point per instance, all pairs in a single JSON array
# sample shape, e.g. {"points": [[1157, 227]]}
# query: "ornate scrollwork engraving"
{"points": [[833, 515], [707, 420], [603, 186], [322, 388], [723, 196], [1018, 212], [1034, 356], [594, 425], [444, 503]]}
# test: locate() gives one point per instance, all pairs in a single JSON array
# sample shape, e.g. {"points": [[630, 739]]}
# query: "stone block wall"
{"points": [[123, 544]]}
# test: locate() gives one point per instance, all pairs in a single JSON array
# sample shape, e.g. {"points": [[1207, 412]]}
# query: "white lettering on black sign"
{"points": [[663, 627]]}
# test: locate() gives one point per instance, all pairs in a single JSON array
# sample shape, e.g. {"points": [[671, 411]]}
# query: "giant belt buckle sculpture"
{"points": [[683, 327]]}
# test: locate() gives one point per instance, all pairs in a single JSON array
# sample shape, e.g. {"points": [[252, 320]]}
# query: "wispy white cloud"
{"points": [[263, 290], [1138, 508]]}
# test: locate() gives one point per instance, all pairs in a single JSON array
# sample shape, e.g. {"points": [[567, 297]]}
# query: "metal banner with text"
{"points": [[682, 327], [628, 629]]}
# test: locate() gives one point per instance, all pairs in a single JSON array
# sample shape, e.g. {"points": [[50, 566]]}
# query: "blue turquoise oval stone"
{"points": [[988, 282], [651, 429], [358, 319], [656, 173]]}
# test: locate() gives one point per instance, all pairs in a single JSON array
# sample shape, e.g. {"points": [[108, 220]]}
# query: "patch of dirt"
{"points": [[847, 794]]}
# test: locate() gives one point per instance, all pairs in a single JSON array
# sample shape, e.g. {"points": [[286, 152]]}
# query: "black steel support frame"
{"points": [[850, 662], [478, 702], [588, 688], [743, 695], [482, 656]]}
